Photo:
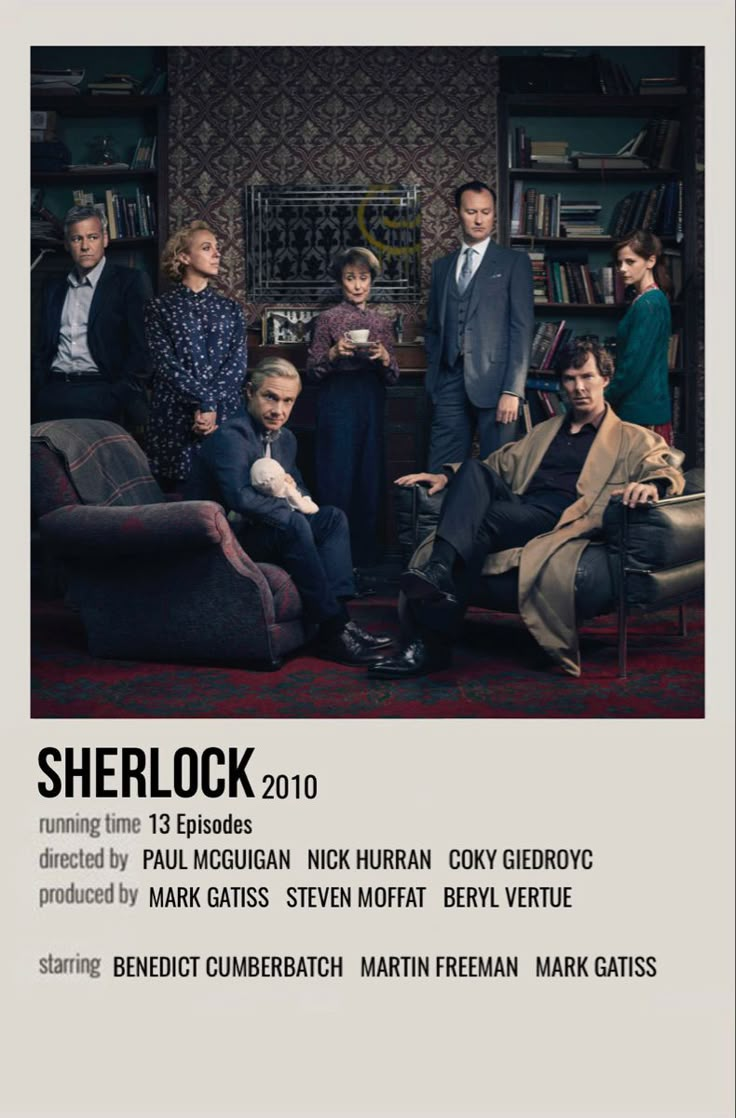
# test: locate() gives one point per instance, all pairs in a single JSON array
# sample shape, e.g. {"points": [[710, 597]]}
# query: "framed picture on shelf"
{"points": [[287, 325]]}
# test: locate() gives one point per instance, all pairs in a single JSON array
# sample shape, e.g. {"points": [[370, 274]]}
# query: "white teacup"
{"points": [[358, 337]]}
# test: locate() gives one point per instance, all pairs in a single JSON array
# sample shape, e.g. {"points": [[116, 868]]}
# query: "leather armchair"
{"points": [[152, 580], [646, 559]]}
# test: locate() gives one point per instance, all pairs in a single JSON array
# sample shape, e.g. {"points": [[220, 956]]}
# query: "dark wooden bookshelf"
{"points": [[527, 240], [559, 111], [594, 174], [104, 174], [117, 114], [591, 104], [87, 104], [590, 308]]}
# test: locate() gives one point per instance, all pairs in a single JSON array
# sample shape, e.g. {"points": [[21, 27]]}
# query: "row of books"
{"points": [[126, 216], [548, 339], [71, 81], [659, 209], [144, 156], [653, 146], [130, 217], [535, 213], [656, 143], [573, 281], [117, 84], [613, 78], [527, 152], [551, 337]]}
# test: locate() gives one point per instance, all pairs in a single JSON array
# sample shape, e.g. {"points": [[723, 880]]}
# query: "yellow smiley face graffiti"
{"points": [[389, 223]]}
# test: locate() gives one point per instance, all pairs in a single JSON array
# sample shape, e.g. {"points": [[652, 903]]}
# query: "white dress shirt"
{"points": [[73, 354], [479, 251]]}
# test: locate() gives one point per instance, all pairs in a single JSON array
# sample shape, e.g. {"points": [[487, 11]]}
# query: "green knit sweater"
{"points": [[639, 392]]}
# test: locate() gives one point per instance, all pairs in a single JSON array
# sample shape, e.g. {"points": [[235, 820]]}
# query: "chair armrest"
{"points": [[416, 515], [93, 531], [668, 533]]}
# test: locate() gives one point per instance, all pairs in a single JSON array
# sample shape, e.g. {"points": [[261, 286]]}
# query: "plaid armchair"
{"points": [[152, 580]]}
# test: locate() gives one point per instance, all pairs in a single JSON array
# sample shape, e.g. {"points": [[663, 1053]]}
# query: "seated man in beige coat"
{"points": [[533, 504]]}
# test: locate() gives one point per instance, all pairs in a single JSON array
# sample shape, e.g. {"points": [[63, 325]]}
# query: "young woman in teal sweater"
{"points": [[639, 392]]}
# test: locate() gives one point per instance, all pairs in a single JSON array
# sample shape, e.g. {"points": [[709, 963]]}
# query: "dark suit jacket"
{"points": [[115, 332], [498, 328], [221, 471]]}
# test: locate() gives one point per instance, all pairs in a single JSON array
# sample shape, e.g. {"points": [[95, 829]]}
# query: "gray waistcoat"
{"points": [[456, 313]]}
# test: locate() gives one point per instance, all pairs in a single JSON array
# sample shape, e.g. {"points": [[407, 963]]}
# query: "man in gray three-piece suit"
{"points": [[478, 335]]}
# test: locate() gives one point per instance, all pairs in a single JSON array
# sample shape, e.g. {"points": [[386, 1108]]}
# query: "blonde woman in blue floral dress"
{"points": [[198, 348]]}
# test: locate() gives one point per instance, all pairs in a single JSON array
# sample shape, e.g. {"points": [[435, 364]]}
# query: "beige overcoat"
{"points": [[621, 452]]}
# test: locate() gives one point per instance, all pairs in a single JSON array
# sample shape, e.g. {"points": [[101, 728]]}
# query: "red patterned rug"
{"points": [[497, 672]]}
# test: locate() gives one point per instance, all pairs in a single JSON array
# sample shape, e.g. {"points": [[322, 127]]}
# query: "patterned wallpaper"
{"points": [[423, 115]]}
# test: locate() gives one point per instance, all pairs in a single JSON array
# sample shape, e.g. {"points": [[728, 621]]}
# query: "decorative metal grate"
{"points": [[293, 234]]}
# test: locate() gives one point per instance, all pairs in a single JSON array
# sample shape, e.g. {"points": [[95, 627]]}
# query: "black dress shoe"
{"points": [[432, 581], [370, 640], [346, 648], [418, 658]]}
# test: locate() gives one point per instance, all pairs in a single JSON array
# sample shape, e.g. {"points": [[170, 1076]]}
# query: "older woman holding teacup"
{"points": [[351, 358]]}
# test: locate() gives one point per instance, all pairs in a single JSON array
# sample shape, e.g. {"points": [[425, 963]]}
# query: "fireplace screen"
{"points": [[294, 232]]}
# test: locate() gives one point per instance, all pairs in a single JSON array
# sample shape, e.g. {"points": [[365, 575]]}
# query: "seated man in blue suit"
{"points": [[92, 361], [478, 334], [314, 548]]}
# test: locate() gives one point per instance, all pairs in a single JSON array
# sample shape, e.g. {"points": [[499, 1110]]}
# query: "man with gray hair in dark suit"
{"points": [[478, 335], [92, 361]]}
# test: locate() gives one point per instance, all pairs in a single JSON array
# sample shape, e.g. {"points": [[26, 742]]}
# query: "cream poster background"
{"points": [[652, 799]]}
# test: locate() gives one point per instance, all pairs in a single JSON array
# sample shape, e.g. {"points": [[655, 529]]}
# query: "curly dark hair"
{"points": [[576, 353]]}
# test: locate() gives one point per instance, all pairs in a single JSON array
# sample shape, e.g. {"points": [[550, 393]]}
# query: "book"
{"points": [[155, 84], [112, 225], [669, 146], [662, 89], [673, 350], [543, 336], [556, 344], [546, 402], [98, 166], [59, 89], [552, 147], [105, 86], [57, 77], [613, 162], [666, 84], [516, 204]]}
